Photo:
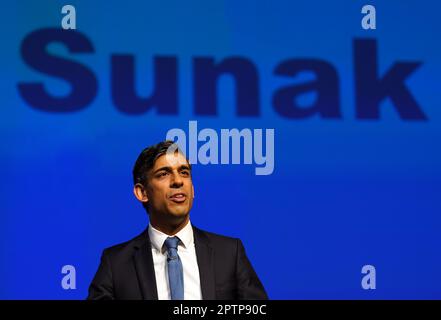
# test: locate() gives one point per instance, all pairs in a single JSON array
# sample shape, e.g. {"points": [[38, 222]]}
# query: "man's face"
{"points": [[169, 188]]}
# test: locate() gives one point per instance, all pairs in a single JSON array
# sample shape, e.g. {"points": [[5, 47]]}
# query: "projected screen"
{"points": [[312, 128]]}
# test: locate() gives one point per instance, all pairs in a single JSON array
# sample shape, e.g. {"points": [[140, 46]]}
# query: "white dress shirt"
{"points": [[187, 254]]}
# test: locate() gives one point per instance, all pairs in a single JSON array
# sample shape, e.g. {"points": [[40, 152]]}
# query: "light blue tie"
{"points": [[175, 272]]}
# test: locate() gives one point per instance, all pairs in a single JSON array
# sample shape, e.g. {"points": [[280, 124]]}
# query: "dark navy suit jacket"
{"points": [[126, 270]]}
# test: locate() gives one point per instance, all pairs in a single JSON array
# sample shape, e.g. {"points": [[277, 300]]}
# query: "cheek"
{"points": [[190, 200], [157, 195]]}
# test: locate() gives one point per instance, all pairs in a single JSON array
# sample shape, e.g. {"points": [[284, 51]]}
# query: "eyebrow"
{"points": [[169, 169]]}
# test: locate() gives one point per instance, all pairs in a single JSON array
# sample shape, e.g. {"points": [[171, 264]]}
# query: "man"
{"points": [[172, 259]]}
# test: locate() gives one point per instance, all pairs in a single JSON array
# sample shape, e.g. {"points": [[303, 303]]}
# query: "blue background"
{"points": [[345, 192]]}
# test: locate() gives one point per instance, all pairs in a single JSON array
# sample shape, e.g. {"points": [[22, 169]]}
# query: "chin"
{"points": [[179, 213]]}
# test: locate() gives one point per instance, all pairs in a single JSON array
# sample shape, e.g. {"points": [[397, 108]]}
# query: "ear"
{"points": [[140, 193], [192, 189]]}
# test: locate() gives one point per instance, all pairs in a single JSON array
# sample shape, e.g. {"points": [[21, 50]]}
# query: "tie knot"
{"points": [[172, 242]]}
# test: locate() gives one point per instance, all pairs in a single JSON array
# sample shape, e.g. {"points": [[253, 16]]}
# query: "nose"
{"points": [[176, 180]]}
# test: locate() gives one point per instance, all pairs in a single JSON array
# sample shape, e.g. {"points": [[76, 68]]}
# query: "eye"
{"points": [[185, 172], [162, 174]]}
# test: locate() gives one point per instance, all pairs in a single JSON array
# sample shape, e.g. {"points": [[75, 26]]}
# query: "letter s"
{"points": [[82, 80]]}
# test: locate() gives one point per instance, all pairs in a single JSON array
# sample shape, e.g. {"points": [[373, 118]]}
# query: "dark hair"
{"points": [[147, 158]]}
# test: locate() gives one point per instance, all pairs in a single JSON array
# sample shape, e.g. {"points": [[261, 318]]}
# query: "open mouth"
{"points": [[178, 197]]}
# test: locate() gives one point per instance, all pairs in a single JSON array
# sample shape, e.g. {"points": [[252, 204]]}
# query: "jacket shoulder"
{"points": [[217, 239], [126, 246]]}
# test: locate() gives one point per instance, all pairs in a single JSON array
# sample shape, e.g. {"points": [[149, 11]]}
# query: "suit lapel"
{"points": [[145, 269], [204, 255], [146, 273]]}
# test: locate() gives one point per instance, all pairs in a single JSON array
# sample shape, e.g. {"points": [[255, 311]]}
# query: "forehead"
{"points": [[170, 160]]}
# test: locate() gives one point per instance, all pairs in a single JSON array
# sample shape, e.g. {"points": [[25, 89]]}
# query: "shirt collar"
{"points": [[157, 238]]}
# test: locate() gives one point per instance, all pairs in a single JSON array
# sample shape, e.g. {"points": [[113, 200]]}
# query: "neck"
{"points": [[168, 227]]}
